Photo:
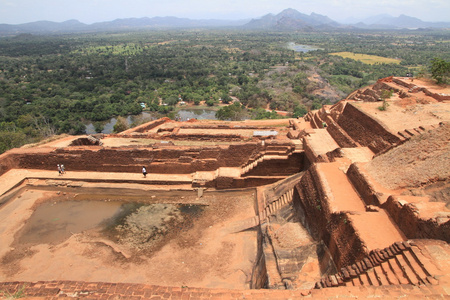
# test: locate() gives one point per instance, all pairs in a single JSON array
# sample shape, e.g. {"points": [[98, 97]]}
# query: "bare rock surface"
{"points": [[421, 160]]}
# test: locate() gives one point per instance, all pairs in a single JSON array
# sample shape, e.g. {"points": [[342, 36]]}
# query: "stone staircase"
{"points": [[271, 152], [398, 264], [409, 133], [269, 210]]}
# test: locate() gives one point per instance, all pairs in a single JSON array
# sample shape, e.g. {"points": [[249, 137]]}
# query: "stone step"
{"points": [[407, 272], [400, 264], [364, 279], [379, 273], [403, 134], [373, 278], [410, 132], [356, 281], [396, 269], [424, 262], [414, 265], [390, 276]]}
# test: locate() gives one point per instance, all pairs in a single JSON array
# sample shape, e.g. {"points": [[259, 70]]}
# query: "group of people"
{"points": [[61, 169]]}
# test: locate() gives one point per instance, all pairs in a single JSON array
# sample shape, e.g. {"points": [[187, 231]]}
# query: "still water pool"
{"points": [[54, 222]]}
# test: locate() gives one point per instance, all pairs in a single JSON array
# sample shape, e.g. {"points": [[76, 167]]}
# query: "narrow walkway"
{"points": [[321, 142], [15, 177], [375, 228], [345, 197]]}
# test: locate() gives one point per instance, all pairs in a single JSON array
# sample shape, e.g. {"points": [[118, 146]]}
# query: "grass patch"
{"points": [[367, 59]]}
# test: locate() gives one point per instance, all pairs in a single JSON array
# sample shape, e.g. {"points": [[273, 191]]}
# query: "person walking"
{"points": [[63, 170], [144, 171], [59, 170]]}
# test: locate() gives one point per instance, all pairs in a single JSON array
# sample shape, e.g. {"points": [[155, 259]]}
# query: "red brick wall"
{"points": [[130, 159], [334, 229], [365, 130], [408, 220]]}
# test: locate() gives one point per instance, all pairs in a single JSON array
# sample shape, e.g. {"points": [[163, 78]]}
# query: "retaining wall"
{"points": [[362, 185], [334, 229], [279, 167], [131, 159], [146, 127], [414, 88], [365, 130], [339, 135], [408, 220], [230, 183], [342, 241], [8, 161]]}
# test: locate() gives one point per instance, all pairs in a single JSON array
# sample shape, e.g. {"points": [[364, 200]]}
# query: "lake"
{"points": [[183, 114], [197, 113], [108, 126]]}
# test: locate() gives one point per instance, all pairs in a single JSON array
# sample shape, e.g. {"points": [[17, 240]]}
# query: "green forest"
{"points": [[56, 84]]}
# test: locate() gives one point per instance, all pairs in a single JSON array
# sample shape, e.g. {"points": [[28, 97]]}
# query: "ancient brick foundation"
{"points": [[362, 185], [365, 130], [131, 159], [334, 229], [413, 226]]}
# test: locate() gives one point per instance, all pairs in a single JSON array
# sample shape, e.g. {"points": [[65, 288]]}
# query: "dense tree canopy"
{"points": [[56, 84], [440, 70]]}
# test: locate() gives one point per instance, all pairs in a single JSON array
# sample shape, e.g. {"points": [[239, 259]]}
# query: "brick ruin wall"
{"points": [[130, 159], [335, 230], [342, 241], [8, 161], [362, 184], [405, 216], [311, 155], [206, 137], [279, 167], [365, 130], [374, 94], [414, 88], [176, 136], [408, 220], [146, 127], [339, 135], [266, 172]]}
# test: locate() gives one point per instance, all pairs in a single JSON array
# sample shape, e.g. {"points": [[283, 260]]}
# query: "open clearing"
{"points": [[367, 59]]}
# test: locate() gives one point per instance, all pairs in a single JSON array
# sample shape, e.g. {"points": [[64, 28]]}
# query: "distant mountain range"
{"points": [[388, 22], [288, 20]]}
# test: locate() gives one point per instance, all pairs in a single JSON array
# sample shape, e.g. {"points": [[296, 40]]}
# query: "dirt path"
{"points": [[345, 197]]}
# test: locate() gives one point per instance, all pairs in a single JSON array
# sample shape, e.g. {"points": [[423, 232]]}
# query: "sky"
{"points": [[91, 11]]}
